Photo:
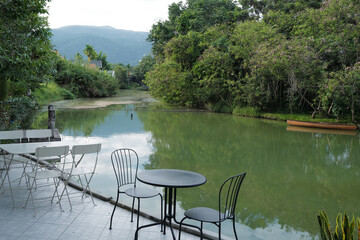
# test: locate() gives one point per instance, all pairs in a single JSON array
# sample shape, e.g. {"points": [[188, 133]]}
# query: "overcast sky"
{"points": [[136, 15]]}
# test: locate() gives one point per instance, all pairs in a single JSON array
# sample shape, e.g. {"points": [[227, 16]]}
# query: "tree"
{"points": [[194, 16], [121, 74], [260, 8], [146, 64], [90, 52], [198, 15], [26, 55], [103, 58]]}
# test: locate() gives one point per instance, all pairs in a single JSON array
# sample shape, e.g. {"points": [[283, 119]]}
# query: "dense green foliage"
{"points": [[26, 58], [84, 81], [50, 92], [121, 74], [90, 52], [16, 112], [132, 76], [289, 56], [25, 46]]}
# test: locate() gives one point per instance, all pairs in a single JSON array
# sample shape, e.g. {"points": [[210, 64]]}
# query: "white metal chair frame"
{"points": [[9, 159], [56, 173], [81, 154], [20, 135], [38, 133]]}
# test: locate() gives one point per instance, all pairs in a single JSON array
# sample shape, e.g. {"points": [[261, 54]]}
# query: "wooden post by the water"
{"points": [[51, 120]]}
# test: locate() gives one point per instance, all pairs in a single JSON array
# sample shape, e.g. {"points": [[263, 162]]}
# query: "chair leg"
{"points": [[67, 193], [138, 214], [112, 215], [88, 189], [132, 210], [24, 171], [57, 183], [162, 217], [65, 181], [236, 237], [30, 195], [219, 230], [181, 226]]}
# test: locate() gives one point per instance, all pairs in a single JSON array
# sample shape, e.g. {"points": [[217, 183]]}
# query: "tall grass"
{"points": [[50, 92]]}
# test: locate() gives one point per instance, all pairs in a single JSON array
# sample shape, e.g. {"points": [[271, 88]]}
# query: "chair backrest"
{"points": [[12, 135], [82, 150], [125, 162], [228, 196], [48, 152], [38, 133]]}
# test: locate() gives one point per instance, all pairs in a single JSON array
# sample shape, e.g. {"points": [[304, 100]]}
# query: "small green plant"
{"points": [[344, 229], [247, 111], [51, 92]]}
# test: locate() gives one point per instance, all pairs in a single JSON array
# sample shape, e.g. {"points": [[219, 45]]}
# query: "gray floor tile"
{"points": [[84, 221]]}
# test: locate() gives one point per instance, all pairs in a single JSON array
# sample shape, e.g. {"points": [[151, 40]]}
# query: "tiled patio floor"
{"points": [[84, 221]]}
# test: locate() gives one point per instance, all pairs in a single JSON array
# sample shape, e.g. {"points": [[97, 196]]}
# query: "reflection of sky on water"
{"points": [[119, 130]]}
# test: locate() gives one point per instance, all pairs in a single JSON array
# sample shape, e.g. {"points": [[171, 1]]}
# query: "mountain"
{"points": [[120, 46]]}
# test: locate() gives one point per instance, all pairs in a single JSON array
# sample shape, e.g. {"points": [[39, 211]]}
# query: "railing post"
{"points": [[51, 120]]}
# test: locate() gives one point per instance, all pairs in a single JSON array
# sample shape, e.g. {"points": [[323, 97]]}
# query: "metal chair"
{"points": [[57, 172], [88, 156], [125, 163], [228, 195]]}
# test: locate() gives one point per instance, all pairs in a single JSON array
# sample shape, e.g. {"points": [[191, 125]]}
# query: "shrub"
{"points": [[51, 92], [84, 81], [16, 112], [247, 111]]}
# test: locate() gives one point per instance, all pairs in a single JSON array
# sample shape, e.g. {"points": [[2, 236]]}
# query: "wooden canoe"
{"points": [[337, 126], [320, 130]]}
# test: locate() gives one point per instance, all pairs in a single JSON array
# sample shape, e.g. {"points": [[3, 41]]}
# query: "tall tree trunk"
{"points": [[3, 88]]}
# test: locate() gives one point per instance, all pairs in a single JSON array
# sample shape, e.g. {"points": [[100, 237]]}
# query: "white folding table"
{"points": [[19, 149]]}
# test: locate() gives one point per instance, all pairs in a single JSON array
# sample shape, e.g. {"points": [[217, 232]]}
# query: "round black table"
{"points": [[170, 179]]}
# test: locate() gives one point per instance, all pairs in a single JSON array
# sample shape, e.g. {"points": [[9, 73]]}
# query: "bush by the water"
{"points": [[49, 92], [84, 81]]}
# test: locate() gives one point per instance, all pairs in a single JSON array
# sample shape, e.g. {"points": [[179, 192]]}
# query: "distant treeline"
{"points": [[275, 56]]}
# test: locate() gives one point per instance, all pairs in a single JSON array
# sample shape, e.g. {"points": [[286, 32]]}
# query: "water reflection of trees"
{"points": [[290, 177], [77, 122]]}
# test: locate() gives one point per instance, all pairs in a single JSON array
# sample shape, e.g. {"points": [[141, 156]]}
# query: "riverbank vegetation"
{"points": [[252, 58], [260, 56], [33, 74]]}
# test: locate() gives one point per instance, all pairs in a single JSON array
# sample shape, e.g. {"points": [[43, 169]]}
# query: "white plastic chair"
{"points": [[56, 172], [85, 159]]}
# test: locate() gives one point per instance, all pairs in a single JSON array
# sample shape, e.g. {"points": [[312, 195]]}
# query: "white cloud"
{"points": [[136, 15]]}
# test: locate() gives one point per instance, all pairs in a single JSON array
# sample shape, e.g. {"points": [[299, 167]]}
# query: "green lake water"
{"points": [[291, 175]]}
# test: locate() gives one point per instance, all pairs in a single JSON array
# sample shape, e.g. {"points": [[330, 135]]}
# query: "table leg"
{"points": [[169, 212], [171, 209], [162, 222], [7, 169]]}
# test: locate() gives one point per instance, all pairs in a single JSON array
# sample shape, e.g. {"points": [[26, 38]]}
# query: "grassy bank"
{"points": [[253, 112], [51, 92]]}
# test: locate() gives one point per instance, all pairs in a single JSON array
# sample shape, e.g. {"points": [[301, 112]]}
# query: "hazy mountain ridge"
{"points": [[120, 46]]}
